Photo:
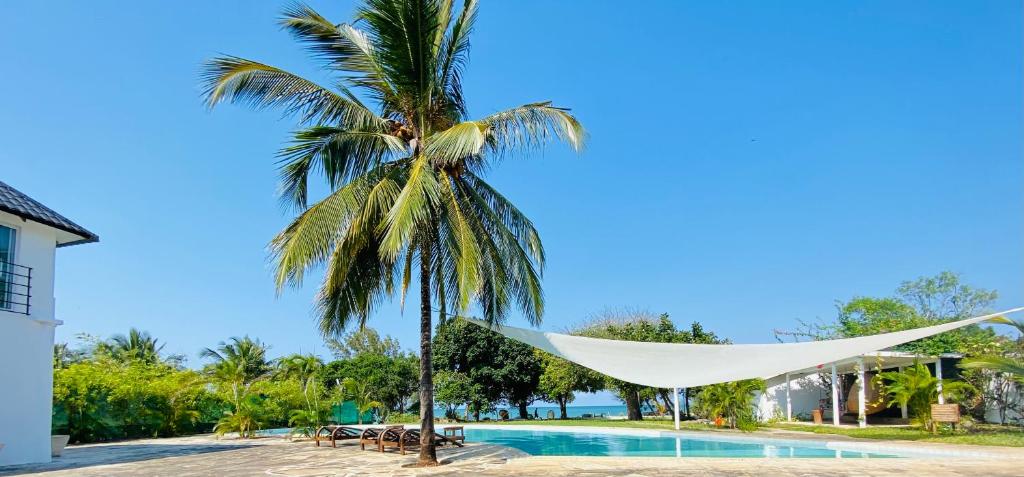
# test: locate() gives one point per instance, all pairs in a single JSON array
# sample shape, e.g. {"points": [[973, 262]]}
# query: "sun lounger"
{"points": [[410, 439], [336, 433], [372, 435]]}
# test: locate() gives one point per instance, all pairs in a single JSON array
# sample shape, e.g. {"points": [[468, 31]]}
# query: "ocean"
{"points": [[542, 411]]}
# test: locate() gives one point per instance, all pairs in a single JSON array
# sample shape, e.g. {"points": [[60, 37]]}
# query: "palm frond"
{"points": [[230, 78], [340, 154], [531, 126], [453, 145], [412, 209], [403, 34], [1002, 364], [1019, 324]]}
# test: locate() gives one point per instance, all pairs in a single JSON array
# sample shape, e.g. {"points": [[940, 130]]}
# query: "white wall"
{"points": [[805, 394], [26, 352]]}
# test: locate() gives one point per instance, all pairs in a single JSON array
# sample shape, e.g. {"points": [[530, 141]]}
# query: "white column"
{"points": [[835, 397], [789, 404], [862, 412], [903, 407], [938, 375], [675, 403]]}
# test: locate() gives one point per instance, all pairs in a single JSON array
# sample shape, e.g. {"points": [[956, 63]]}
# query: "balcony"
{"points": [[15, 288]]}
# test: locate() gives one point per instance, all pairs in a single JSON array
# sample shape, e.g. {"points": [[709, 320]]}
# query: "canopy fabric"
{"points": [[678, 365]]}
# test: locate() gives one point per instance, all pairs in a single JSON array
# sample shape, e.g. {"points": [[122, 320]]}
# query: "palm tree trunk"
{"points": [[428, 455]]}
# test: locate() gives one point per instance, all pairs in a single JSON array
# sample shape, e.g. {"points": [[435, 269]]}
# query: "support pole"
{"points": [[789, 403], [862, 412], [675, 404], [938, 375], [903, 407], [835, 398]]}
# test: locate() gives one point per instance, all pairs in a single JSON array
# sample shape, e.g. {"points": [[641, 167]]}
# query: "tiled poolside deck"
{"points": [[206, 456]]}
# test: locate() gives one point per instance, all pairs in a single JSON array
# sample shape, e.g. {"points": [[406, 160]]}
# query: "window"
{"points": [[8, 274]]}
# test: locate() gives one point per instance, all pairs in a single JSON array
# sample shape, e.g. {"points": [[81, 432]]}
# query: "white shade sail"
{"points": [[679, 365]]}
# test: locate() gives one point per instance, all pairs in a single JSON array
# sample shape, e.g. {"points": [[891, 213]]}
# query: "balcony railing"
{"points": [[15, 288]]}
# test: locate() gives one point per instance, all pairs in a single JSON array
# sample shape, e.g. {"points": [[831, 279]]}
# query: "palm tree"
{"points": [[237, 364], [137, 345], [306, 369], [405, 167], [360, 393]]}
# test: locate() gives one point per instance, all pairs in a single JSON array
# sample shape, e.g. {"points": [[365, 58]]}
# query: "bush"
{"points": [[103, 400], [402, 418]]}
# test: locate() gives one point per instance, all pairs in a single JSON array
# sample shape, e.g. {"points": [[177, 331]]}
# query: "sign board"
{"points": [[946, 413]]}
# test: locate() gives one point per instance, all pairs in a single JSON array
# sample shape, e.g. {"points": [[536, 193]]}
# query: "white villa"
{"points": [[30, 233], [795, 395]]}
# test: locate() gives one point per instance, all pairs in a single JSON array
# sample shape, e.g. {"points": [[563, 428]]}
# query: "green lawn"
{"points": [[980, 434]]}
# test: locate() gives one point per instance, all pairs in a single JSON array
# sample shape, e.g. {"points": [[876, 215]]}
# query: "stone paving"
{"points": [[206, 456]]}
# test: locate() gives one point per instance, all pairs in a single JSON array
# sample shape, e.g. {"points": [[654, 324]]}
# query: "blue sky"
{"points": [[749, 164]]}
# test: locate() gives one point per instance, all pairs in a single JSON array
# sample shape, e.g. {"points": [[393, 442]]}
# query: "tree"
{"points": [[405, 167], [916, 388], [502, 368], [999, 374], [307, 370], [562, 379], [453, 389], [394, 379], [361, 394], [237, 365], [363, 341], [137, 345], [639, 325], [917, 303]]}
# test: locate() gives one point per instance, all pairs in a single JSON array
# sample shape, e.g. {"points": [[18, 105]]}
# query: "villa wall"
{"points": [[26, 352], [805, 393]]}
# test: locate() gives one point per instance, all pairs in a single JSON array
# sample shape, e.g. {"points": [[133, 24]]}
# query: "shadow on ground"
{"points": [[107, 454]]}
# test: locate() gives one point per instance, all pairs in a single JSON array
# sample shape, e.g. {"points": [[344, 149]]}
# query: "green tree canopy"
{"points": [[638, 325], [504, 369], [917, 303], [562, 379], [363, 341], [391, 380]]}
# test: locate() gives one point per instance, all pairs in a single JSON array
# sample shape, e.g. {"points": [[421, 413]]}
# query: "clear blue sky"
{"points": [[750, 162]]}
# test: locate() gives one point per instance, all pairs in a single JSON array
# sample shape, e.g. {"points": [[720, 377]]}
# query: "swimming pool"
{"points": [[654, 444]]}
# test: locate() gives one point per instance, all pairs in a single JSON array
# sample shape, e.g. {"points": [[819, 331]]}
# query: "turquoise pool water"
{"points": [[593, 444]]}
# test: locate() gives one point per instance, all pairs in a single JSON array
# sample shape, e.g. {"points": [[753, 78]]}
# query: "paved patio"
{"points": [[205, 456]]}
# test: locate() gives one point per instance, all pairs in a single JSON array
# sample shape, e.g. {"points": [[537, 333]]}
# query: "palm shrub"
{"points": [[246, 419], [405, 166], [732, 401], [360, 393], [308, 371], [917, 389]]}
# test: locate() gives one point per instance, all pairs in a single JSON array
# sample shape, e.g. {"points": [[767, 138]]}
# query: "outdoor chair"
{"points": [[410, 439], [335, 433], [372, 435]]}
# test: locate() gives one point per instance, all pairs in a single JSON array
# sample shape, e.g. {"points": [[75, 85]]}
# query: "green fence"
{"points": [[346, 413]]}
